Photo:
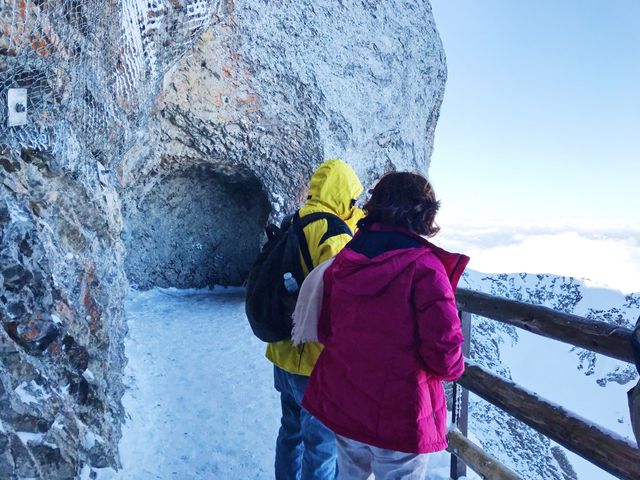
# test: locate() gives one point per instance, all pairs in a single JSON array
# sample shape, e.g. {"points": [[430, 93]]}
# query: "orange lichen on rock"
{"points": [[250, 100], [33, 331]]}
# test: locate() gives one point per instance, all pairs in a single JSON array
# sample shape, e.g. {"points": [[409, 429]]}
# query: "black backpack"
{"points": [[268, 303]]}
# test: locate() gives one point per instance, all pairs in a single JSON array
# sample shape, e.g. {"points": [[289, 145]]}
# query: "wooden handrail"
{"points": [[597, 336], [604, 448], [479, 460]]}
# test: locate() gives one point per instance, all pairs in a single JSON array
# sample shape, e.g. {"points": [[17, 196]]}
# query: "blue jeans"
{"points": [[305, 448]]}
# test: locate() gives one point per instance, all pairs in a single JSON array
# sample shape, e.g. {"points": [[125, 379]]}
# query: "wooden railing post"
{"points": [[460, 409]]}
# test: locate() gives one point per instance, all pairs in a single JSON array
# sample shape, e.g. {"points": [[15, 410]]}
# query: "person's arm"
{"points": [[439, 328]]}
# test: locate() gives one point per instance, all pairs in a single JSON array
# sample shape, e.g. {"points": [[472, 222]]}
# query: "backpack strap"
{"points": [[335, 226], [302, 240], [272, 231]]}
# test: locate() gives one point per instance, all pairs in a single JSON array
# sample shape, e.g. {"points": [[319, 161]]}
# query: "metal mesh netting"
{"points": [[90, 67]]}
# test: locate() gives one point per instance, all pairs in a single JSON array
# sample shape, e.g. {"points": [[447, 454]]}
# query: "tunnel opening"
{"points": [[194, 228]]}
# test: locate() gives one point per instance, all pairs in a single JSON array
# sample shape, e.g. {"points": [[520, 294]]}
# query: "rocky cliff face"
{"points": [[91, 70], [264, 96], [185, 166]]}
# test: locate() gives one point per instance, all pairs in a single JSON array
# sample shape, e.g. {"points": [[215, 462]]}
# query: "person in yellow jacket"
{"points": [[305, 448]]}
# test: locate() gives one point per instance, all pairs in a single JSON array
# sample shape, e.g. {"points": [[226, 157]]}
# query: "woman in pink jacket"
{"points": [[391, 336]]}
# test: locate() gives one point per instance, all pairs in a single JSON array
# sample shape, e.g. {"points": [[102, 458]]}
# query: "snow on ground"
{"points": [[200, 402]]}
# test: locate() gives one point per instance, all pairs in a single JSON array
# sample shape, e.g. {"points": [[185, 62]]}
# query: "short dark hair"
{"points": [[403, 199]]}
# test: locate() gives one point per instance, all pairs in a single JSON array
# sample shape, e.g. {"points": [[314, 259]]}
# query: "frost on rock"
{"points": [[91, 70], [31, 392], [267, 93]]}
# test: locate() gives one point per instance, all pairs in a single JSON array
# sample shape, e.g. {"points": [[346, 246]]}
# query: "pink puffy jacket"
{"points": [[391, 332]]}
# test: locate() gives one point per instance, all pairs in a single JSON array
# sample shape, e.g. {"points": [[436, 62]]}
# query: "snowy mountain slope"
{"points": [[589, 384]]}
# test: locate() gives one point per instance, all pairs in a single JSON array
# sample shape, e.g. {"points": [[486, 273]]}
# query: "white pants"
{"points": [[357, 461]]}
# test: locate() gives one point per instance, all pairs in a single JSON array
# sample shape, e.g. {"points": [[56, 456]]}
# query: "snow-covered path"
{"points": [[200, 401]]}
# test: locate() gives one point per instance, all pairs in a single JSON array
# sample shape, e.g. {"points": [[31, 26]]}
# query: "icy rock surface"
{"points": [[91, 70], [178, 165], [61, 311], [265, 95]]}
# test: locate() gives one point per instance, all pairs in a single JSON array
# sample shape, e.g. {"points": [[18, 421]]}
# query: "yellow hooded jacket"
{"points": [[332, 188]]}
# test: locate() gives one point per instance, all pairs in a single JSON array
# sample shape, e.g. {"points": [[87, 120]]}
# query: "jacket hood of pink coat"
{"points": [[361, 275]]}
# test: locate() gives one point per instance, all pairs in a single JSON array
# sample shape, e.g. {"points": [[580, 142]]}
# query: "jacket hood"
{"points": [[333, 186], [361, 275]]}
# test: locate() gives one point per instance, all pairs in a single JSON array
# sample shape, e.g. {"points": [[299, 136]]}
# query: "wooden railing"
{"points": [[604, 448]]}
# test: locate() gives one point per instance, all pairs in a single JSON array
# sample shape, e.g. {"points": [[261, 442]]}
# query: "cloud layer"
{"points": [[608, 256]]}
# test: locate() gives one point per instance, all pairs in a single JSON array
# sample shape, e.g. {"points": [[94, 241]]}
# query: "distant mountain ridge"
{"points": [[519, 355]]}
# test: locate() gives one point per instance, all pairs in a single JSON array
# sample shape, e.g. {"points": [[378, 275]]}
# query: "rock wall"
{"points": [[272, 90], [91, 70], [200, 228], [185, 167], [61, 309]]}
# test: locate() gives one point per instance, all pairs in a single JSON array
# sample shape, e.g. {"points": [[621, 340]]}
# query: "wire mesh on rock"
{"points": [[91, 67]]}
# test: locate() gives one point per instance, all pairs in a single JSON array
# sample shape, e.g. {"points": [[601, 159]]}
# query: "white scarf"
{"points": [[309, 306]]}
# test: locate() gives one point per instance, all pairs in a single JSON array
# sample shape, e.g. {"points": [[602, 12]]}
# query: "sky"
{"points": [[537, 155]]}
